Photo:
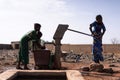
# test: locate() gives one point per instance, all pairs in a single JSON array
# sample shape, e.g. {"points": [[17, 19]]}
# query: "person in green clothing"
{"points": [[34, 36]]}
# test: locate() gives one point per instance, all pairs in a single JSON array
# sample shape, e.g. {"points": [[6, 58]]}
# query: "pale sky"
{"points": [[17, 17]]}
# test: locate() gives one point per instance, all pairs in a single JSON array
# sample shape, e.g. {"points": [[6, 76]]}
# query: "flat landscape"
{"points": [[70, 61]]}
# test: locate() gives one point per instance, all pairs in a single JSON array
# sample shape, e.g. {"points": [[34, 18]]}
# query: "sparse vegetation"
{"points": [[8, 60]]}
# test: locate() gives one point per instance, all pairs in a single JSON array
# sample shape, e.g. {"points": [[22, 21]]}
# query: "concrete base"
{"points": [[42, 74]]}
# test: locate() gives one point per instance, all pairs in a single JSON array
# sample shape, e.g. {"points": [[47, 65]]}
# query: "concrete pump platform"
{"points": [[41, 75]]}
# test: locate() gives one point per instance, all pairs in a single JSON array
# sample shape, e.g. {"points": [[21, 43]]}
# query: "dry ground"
{"points": [[8, 60]]}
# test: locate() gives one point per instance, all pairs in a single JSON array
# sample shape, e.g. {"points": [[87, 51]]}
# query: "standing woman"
{"points": [[24, 50], [97, 29]]}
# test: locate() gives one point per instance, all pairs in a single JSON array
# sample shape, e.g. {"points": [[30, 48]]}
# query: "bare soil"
{"points": [[8, 59]]}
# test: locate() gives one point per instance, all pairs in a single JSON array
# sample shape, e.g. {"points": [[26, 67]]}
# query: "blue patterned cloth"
{"points": [[97, 42], [97, 50]]}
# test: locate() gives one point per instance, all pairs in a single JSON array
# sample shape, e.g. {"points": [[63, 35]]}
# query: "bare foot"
{"points": [[26, 68], [19, 68]]}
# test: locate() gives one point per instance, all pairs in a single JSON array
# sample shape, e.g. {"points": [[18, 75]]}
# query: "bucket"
{"points": [[41, 57]]}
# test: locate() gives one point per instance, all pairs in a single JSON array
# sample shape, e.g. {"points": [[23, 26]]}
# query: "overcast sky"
{"points": [[17, 17]]}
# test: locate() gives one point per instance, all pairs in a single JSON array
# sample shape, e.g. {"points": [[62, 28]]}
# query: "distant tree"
{"points": [[114, 41]]}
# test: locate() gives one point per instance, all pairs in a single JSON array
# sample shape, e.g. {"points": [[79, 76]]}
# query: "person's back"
{"points": [[29, 36]]}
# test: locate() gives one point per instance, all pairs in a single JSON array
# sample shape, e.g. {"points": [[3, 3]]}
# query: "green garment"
{"points": [[24, 50]]}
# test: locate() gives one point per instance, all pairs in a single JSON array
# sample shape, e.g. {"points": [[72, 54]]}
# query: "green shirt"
{"points": [[32, 35]]}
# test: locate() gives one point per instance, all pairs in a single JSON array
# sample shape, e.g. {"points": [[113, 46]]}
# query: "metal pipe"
{"points": [[80, 32]]}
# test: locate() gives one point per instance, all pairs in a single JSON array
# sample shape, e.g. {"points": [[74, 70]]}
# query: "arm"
{"points": [[94, 34], [39, 41], [104, 29], [36, 40], [91, 28], [92, 25]]}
